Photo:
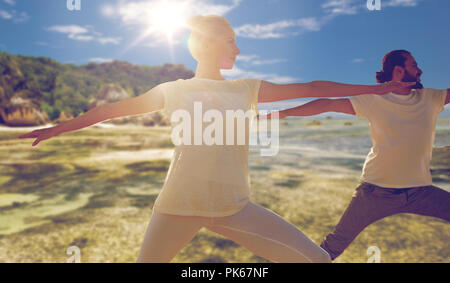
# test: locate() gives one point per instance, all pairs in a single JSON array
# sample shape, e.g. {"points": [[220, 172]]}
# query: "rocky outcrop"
{"points": [[63, 117], [20, 110], [107, 94]]}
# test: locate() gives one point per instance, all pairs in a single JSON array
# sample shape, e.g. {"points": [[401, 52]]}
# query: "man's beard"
{"points": [[410, 78]]}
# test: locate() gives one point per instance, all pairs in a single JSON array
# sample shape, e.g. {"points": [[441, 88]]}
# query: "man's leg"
{"points": [[428, 201], [369, 204]]}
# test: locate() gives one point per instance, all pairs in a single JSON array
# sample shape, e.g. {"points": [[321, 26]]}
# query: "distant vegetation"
{"points": [[54, 87]]}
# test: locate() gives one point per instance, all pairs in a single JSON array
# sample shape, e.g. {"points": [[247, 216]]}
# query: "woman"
{"points": [[208, 186]]}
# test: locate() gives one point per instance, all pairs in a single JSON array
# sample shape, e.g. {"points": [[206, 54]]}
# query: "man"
{"points": [[396, 175]]}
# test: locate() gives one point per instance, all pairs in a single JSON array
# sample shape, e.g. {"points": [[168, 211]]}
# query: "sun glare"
{"points": [[168, 17], [161, 21]]}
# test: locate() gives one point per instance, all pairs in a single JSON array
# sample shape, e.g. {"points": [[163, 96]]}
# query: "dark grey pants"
{"points": [[371, 203]]}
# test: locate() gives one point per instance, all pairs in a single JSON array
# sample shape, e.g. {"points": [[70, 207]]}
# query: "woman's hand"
{"points": [[41, 134], [395, 87]]}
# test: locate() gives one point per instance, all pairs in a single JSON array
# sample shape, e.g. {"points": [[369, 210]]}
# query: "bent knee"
{"points": [[324, 257], [321, 257]]}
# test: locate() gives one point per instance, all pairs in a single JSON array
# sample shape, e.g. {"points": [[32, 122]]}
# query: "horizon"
{"points": [[282, 42]]}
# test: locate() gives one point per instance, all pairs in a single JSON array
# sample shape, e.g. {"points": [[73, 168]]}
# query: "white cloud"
{"points": [[137, 15], [254, 60], [107, 10], [274, 78], [10, 2], [106, 40], [138, 12], [346, 7], [100, 60], [5, 15], [16, 17], [69, 29], [246, 58], [21, 17], [268, 62], [278, 29], [405, 3], [86, 33], [358, 60], [351, 7], [80, 37]]}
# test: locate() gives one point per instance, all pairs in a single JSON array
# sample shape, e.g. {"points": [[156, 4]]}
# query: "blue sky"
{"points": [[282, 41]]}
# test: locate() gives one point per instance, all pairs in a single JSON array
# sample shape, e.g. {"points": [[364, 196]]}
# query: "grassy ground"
{"points": [[95, 189]]}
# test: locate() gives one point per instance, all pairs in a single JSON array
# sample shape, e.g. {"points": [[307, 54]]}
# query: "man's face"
{"points": [[412, 72]]}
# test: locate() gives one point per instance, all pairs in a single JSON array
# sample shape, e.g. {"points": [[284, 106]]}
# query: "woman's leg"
{"points": [[166, 235], [268, 235]]}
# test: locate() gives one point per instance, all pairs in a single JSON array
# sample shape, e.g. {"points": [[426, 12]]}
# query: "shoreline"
{"points": [[98, 125], [104, 125]]}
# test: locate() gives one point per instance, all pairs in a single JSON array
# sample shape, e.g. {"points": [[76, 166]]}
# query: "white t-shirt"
{"points": [[208, 180], [402, 129]]}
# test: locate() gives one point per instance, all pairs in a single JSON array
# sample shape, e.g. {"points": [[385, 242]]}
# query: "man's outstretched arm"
{"points": [[318, 106], [270, 92]]}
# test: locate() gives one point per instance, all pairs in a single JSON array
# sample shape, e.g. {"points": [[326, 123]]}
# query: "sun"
{"points": [[168, 17], [162, 19]]}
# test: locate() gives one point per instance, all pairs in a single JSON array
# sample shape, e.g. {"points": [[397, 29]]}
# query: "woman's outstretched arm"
{"points": [[150, 101], [318, 106], [153, 100], [270, 92]]}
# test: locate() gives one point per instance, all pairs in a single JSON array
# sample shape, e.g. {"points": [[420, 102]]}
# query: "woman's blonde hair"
{"points": [[204, 29]]}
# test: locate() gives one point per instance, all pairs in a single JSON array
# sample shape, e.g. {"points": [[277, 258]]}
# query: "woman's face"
{"points": [[229, 51], [224, 50]]}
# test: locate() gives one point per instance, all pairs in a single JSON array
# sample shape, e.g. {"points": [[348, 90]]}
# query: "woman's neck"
{"points": [[208, 71]]}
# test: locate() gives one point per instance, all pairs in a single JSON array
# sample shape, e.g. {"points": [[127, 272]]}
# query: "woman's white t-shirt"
{"points": [[208, 180]]}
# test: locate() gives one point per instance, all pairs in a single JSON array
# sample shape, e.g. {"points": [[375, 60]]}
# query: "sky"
{"points": [[281, 41]]}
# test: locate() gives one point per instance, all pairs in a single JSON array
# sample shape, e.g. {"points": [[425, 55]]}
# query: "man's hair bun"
{"points": [[381, 77], [390, 60]]}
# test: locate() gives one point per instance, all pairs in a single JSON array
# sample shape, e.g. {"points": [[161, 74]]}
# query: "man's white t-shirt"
{"points": [[402, 129]]}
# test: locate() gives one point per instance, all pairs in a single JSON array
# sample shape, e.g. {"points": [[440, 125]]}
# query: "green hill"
{"points": [[53, 87]]}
